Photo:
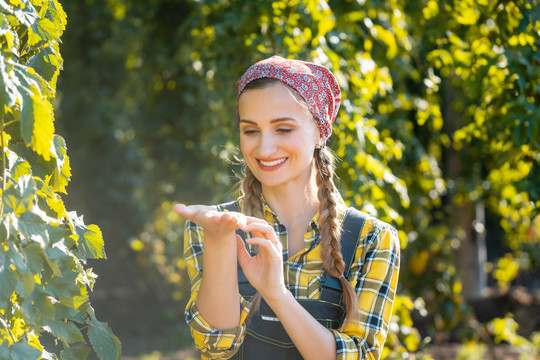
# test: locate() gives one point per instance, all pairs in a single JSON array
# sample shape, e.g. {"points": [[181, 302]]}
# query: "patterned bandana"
{"points": [[315, 83]]}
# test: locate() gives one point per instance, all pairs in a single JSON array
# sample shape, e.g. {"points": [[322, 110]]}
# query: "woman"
{"points": [[322, 293]]}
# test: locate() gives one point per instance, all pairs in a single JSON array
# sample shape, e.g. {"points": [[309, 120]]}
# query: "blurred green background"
{"points": [[438, 134]]}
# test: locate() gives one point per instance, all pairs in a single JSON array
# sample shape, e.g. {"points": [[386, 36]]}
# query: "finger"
{"points": [[240, 219], [258, 234], [265, 244], [225, 218], [252, 219], [264, 229], [233, 219]]}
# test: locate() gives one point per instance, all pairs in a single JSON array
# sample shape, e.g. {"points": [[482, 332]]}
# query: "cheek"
{"points": [[245, 146], [303, 148]]}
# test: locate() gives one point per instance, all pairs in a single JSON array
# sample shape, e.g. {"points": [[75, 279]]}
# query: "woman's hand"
{"points": [[216, 224], [264, 270], [217, 298]]}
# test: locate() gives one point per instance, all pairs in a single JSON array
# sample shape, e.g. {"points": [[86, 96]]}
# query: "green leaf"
{"points": [[18, 198], [8, 277], [8, 94], [40, 303], [37, 124], [21, 351], [58, 256], [61, 176], [91, 243], [74, 301], [74, 353], [4, 229], [42, 30], [52, 264], [31, 90], [43, 4], [104, 342], [33, 228], [11, 38], [56, 204], [47, 63], [28, 284], [34, 257], [57, 15], [17, 259], [26, 15], [66, 312], [18, 166], [90, 240], [29, 82], [65, 330]]}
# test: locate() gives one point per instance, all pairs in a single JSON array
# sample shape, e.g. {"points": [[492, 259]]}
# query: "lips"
{"points": [[270, 165]]}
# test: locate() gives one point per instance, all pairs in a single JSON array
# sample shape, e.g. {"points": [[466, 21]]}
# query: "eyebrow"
{"points": [[273, 121]]}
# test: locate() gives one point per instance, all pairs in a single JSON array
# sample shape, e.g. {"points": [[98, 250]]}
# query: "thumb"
{"points": [[185, 211]]}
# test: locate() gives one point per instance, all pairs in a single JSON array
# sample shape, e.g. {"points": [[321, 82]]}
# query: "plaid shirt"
{"points": [[374, 276]]}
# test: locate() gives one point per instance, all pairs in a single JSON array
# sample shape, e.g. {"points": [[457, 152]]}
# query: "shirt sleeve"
{"points": [[211, 342], [374, 276]]}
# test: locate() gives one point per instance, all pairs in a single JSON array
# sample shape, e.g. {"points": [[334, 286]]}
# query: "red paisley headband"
{"points": [[315, 83]]}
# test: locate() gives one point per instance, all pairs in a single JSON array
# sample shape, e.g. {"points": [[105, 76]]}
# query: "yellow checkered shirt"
{"points": [[374, 276]]}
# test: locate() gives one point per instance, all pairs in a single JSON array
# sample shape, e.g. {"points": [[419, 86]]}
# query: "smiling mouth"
{"points": [[273, 162]]}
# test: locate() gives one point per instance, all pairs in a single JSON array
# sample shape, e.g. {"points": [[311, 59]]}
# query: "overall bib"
{"points": [[266, 339]]}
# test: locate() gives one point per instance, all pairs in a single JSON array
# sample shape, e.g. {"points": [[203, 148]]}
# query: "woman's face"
{"points": [[277, 135]]}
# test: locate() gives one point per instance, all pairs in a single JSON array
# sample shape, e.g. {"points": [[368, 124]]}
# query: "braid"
{"points": [[331, 230], [251, 191]]}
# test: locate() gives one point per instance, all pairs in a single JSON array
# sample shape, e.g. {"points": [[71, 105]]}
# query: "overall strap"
{"points": [[350, 236]]}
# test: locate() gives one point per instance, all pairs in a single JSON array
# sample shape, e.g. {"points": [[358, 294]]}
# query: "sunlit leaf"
{"points": [[90, 240], [62, 174], [42, 30], [37, 124], [47, 63], [18, 197]]}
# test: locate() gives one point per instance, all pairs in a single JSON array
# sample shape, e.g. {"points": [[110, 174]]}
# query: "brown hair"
{"points": [[328, 216]]}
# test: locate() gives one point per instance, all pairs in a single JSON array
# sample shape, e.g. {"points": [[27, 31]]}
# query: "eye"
{"points": [[284, 130], [249, 131]]}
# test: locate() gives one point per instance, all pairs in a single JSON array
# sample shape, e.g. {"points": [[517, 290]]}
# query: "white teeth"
{"points": [[273, 163]]}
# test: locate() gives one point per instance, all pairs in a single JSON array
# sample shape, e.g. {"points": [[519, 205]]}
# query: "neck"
{"points": [[294, 203]]}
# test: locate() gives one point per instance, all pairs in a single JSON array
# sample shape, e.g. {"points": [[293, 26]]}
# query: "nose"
{"points": [[267, 145]]}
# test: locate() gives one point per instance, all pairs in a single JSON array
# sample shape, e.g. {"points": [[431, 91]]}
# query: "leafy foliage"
{"points": [[440, 117], [43, 247]]}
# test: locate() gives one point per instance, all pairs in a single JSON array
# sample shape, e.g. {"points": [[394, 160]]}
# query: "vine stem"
{"points": [[4, 166], [11, 122]]}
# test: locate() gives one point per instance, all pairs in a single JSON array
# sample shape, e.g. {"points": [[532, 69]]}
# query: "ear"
{"points": [[319, 141]]}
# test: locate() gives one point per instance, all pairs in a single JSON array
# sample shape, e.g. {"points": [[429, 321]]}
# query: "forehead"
{"points": [[269, 102]]}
